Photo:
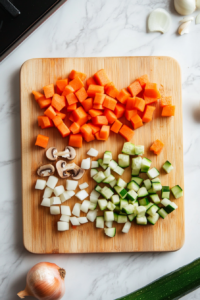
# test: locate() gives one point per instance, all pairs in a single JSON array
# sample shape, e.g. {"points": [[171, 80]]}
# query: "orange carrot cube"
{"points": [[63, 129], [157, 147], [95, 112], [151, 90], [43, 102], [99, 98], [87, 104], [68, 90], [80, 116], [61, 84], [81, 94], [74, 128], [72, 107], [90, 81], [130, 113], [116, 126], [119, 110], [111, 117], [130, 103], [109, 103], [101, 77], [74, 74], [48, 90], [57, 121], [139, 104], [123, 96], [94, 128], [93, 89], [104, 132], [126, 132], [135, 88], [58, 102], [71, 99], [100, 120], [37, 95], [42, 141], [148, 114], [50, 112], [136, 121], [76, 84], [143, 80], [75, 140], [149, 100], [168, 111]]}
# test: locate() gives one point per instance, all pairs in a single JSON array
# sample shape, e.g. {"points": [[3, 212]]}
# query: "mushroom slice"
{"points": [[52, 153], [69, 153], [66, 170], [45, 170]]}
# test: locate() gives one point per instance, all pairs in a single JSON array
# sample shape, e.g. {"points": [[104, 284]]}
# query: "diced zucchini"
{"points": [[115, 216], [140, 211], [155, 198], [123, 203], [126, 227], [129, 209], [115, 199], [119, 170], [151, 191], [93, 205], [98, 189], [95, 164], [139, 150], [148, 205], [109, 179], [153, 173], [107, 157], [113, 164], [169, 205], [113, 183], [146, 163], [123, 160], [100, 162], [102, 204], [141, 220], [177, 191], [138, 180], [107, 172], [128, 148], [132, 196], [110, 206], [135, 172], [107, 192], [121, 219], [152, 210], [93, 172], [167, 167], [121, 183], [157, 179], [117, 209], [108, 216], [132, 217], [142, 192], [144, 201], [99, 177], [132, 185], [110, 232], [100, 222], [162, 212], [156, 186], [147, 184], [121, 191], [109, 224], [136, 163], [165, 192], [153, 219]]}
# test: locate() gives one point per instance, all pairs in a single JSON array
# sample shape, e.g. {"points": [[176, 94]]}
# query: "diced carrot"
{"points": [[71, 118], [45, 122], [75, 140], [40, 120], [58, 91], [168, 111], [136, 122], [157, 147], [149, 100], [63, 129], [104, 132], [143, 80], [50, 112], [130, 113], [99, 98], [135, 88], [139, 104], [141, 94], [97, 106], [44, 102], [76, 84], [126, 132], [109, 103], [101, 77], [42, 141], [57, 121], [61, 115], [89, 117], [81, 94], [97, 135], [87, 133], [94, 128], [37, 95], [111, 117], [166, 101], [74, 128], [116, 126], [111, 90], [58, 102], [80, 116], [90, 81], [68, 90], [61, 84], [48, 90], [93, 89], [87, 104], [130, 103], [119, 110], [72, 107], [95, 112], [89, 138], [71, 99], [100, 120], [74, 74], [151, 90], [123, 96], [148, 114]]}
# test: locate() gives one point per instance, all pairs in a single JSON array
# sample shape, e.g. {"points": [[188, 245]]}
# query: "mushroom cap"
{"points": [[71, 152], [51, 153], [46, 170], [66, 170]]}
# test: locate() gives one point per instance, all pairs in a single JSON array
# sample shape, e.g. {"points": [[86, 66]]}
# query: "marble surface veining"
{"points": [[97, 28]]}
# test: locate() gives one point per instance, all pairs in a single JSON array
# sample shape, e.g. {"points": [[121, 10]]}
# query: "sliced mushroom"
{"points": [[52, 153], [45, 170], [66, 170], [69, 153]]}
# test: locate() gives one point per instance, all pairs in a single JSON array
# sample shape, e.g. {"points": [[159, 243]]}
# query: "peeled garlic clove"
{"points": [[184, 28], [185, 7], [197, 21], [159, 20], [186, 19]]}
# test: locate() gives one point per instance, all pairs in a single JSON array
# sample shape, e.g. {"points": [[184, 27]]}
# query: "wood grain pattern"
{"points": [[39, 227]]}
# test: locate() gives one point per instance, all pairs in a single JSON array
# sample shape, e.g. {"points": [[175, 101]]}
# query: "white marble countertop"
{"points": [[97, 28]]}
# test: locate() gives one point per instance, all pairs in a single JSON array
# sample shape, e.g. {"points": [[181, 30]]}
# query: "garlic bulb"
{"points": [[185, 7], [159, 20], [45, 281]]}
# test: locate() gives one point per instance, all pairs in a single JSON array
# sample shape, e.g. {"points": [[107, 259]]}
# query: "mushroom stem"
{"points": [[63, 153]]}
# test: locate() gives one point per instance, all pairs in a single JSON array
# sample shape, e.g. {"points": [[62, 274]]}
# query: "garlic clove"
{"points": [[186, 19], [197, 20], [184, 28], [185, 7], [159, 20]]}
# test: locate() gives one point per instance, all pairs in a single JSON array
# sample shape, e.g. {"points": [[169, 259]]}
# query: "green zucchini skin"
{"points": [[172, 286]]}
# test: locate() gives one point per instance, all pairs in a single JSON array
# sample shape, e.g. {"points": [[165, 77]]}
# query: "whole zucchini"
{"points": [[171, 286]]}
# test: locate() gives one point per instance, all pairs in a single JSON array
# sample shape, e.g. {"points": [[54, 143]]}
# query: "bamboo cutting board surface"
{"points": [[39, 227]]}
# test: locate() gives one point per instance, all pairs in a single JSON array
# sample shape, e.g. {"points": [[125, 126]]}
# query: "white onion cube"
{"points": [[62, 226], [52, 181], [55, 200], [71, 185], [85, 206], [94, 195], [40, 184], [83, 186], [55, 210], [85, 164], [47, 192], [46, 202], [109, 224], [66, 196], [92, 152], [83, 220], [58, 190], [64, 218], [74, 221], [76, 210], [91, 215], [95, 164], [65, 210], [82, 195]]}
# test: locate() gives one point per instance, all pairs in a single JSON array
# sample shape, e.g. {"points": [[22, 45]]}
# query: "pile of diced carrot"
{"points": [[95, 108]]}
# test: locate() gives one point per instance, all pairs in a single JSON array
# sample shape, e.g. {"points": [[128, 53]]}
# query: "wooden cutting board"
{"points": [[39, 227]]}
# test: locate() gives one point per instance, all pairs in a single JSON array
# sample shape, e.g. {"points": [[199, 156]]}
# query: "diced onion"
{"points": [[93, 172], [93, 152], [55, 210], [55, 200], [82, 195], [76, 210], [74, 221], [91, 215], [47, 192], [65, 210], [64, 218], [85, 163], [85, 206], [58, 190], [94, 195], [71, 185], [83, 220], [46, 202], [52, 181], [83, 186], [66, 196], [109, 224], [62, 226], [95, 164], [40, 184]]}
